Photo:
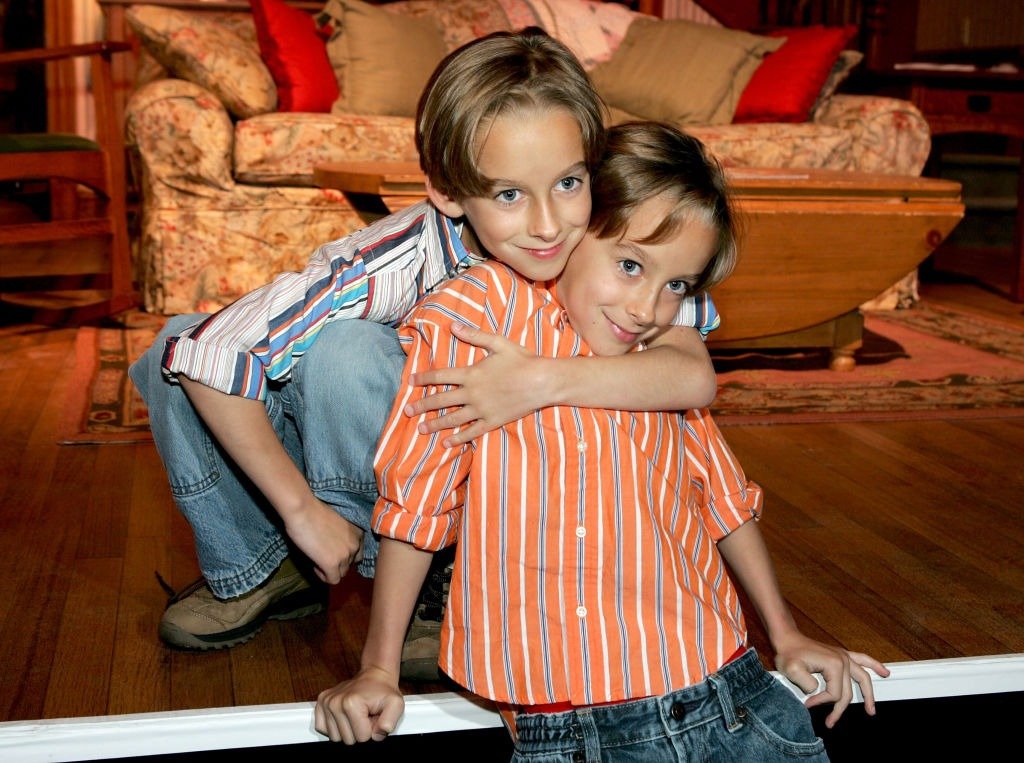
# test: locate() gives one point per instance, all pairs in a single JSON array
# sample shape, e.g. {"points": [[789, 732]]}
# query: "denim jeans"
{"points": [[740, 713], [328, 416]]}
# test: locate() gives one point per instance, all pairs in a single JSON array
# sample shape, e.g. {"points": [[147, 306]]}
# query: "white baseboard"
{"points": [[183, 731]]}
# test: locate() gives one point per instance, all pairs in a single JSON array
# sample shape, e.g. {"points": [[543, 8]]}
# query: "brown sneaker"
{"points": [[423, 640], [196, 619]]}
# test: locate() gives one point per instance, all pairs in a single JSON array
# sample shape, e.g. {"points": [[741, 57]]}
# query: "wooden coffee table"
{"points": [[814, 245]]}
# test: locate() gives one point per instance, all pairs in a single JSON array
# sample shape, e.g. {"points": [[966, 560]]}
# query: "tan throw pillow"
{"points": [[680, 71], [382, 60], [209, 54]]}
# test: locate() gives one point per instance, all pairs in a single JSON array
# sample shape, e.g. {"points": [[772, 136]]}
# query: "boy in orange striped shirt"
{"points": [[592, 591]]}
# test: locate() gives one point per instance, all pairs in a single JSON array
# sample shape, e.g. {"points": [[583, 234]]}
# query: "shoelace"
{"points": [[175, 596]]}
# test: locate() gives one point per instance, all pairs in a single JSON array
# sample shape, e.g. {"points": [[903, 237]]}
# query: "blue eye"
{"points": [[630, 267], [569, 183], [678, 287], [508, 196]]}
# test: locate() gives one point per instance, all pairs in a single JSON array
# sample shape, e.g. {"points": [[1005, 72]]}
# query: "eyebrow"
{"points": [[578, 168], [634, 249]]}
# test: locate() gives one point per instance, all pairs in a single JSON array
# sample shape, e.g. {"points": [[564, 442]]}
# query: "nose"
{"points": [[544, 220], [642, 305]]}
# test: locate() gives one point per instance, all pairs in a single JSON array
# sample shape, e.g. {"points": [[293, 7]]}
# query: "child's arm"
{"points": [[511, 382], [422, 494], [242, 428], [226, 361], [796, 655], [370, 705]]}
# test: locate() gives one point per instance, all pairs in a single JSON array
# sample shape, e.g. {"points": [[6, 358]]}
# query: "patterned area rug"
{"points": [[927, 362], [922, 363], [104, 406]]}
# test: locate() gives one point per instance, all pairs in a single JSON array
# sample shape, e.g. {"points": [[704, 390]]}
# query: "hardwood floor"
{"points": [[904, 540]]}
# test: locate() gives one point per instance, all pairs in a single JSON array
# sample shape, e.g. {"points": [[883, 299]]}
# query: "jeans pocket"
{"points": [[782, 725]]}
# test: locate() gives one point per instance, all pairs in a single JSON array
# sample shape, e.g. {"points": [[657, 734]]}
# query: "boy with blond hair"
{"points": [[266, 413]]}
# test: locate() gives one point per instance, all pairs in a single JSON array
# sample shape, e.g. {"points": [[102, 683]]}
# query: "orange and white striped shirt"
{"points": [[587, 568]]}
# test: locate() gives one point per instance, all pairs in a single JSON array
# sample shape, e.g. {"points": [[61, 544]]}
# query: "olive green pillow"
{"points": [[680, 71], [381, 60]]}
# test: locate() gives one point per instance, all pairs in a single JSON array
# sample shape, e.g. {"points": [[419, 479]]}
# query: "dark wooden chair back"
{"points": [[98, 165]]}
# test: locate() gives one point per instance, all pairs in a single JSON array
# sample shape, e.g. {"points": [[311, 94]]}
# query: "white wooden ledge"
{"points": [[183, 731]]}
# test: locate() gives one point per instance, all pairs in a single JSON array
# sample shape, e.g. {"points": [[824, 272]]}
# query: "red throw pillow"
{"points": [[786, 84], [294, 51]]}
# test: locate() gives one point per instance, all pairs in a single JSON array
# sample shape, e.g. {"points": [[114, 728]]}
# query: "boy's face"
{"points": [[539, 205], [618, 291]]}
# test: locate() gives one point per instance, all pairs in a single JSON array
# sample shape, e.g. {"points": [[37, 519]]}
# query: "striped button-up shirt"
{"points": [[587, 567], [378, 273]]}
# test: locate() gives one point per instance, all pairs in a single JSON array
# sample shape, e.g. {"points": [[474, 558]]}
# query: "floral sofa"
{"points": [[225, 145]]}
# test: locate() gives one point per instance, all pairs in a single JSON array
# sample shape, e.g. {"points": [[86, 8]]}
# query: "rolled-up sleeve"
{"points": [[377, 273], [727, 499]]}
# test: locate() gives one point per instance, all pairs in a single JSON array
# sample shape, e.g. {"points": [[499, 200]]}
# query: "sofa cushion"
{"points": [[787, 83], [681, 71], [591, 30], [296, 54], [207, 53], [461, 21], [381, 60]]}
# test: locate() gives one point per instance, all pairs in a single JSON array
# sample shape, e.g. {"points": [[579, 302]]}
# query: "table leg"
{"points": [[1017, 271]]}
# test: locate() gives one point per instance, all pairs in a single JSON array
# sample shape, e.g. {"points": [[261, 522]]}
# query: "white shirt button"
{"points": [[581, 445], [581, 532], [581, 611]]}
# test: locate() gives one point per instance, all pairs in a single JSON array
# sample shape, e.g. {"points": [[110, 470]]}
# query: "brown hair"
{"points": [[647, 159], [490, 76]]}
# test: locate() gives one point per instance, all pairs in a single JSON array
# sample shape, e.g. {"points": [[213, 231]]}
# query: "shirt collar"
{"points": [[454, 235]]}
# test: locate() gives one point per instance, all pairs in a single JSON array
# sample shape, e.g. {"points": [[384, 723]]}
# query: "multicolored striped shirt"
{"points": [[378, 273], [587, 565]]}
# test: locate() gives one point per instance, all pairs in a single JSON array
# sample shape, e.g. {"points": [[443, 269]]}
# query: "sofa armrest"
{"points": [[283, 148], [889, 134], [183, 136]]}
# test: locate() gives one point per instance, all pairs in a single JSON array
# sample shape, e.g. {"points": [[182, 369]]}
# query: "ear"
{"points": [[446, 204]]}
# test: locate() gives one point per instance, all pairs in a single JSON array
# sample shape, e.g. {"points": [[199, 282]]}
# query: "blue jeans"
{"points": [[328, 415], [740, 713]]}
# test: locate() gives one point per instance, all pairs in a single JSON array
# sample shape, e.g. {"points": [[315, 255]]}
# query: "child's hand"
{"points": [[331, 543], [799, 657], [367, 707], [494, 391]]}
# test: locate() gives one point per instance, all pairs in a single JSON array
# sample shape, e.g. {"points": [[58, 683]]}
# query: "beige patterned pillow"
{"points": [[208, 54]]}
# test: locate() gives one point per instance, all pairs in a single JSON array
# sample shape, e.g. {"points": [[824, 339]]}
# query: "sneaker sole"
{"points": [[308, 601]]}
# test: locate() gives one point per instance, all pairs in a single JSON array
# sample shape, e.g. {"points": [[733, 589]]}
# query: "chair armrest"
{"points": [[184, 138], [34, 55], [890, 135], [108, 129]]}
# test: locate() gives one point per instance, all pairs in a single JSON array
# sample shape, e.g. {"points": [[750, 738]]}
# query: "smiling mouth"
{"points": [[629, 337], [547, 253]]}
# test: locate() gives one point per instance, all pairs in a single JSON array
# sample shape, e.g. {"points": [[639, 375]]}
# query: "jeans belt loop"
{"points": [[721, 686]]}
